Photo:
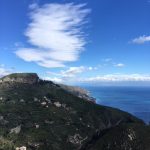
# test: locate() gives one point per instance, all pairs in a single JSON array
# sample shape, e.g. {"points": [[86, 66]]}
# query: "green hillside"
{"points": [[43, 116]]}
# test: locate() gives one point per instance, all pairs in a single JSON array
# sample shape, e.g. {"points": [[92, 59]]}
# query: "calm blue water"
{"points": [[135, 100]]}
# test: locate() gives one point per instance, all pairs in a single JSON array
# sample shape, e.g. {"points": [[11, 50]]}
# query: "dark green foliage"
{"points": [[123, 137], [47, 126]]}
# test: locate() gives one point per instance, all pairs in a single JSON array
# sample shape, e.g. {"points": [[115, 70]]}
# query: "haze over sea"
{"points": [[135, 100]]}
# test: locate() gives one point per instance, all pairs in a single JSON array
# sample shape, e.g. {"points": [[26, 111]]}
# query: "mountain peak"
{"points": [[29, 78]]}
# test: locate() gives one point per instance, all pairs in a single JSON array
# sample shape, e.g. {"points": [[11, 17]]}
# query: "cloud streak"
{"points": [[4, 71], [55, 34], [141, 40], [120, 65], [72, 72], [118, 78], [111, 62], [108, 78]]}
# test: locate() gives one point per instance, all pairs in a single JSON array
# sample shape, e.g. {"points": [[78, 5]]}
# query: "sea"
{"points": [[135, 100]]}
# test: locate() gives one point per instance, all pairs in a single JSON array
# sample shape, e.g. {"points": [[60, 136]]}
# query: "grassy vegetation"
{"points": [[45, 126], [125, 136]]}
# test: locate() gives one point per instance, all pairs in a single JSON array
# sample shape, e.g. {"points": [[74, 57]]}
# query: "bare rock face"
{"points": [[79, 92], [29, 78], [16, 130]]}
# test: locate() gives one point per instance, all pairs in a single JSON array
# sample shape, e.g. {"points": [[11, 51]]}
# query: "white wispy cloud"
{"points": [[79, 74], [119, 65], [107, 60], [72, 72], [117, 78], [141, 40], [4, 71], [111, 62], [108, 78], [56, 33]]}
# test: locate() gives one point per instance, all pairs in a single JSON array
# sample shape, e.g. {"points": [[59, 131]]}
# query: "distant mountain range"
{"points": [[41, 115]]}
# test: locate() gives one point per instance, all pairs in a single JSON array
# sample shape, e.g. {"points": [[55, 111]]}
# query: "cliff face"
{"points": [[79, 92], [29, 78], [44, 116]]}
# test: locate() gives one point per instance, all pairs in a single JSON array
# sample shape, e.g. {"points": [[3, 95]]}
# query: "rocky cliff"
{"points": [[79, 92], [29, 78]]}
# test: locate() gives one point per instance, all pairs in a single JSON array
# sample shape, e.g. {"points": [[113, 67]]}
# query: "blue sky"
{"points": [[74, 42]]}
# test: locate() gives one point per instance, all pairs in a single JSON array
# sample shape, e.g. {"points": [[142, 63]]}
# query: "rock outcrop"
{"points": [[29, 78], [16, 130], [79, 92]]}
